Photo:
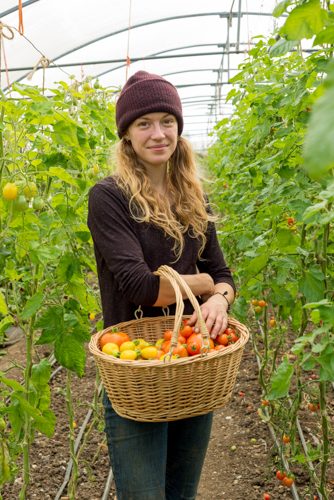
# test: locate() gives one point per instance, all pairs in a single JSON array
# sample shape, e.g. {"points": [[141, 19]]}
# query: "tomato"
{"points": [[313, 407], [30, 190], [181, 339], [262, 303], [266, 496], [186, 331], [233, 336], [38, 203], [92, 316], [272, 322], [165, 346], [286, 439], [129, 355], [10, 191], [280, 475], [128, 345], [222, 339], [20, 204], [258, 309], [149, 352], [116, 337], [180, 350], [290, 221], [287, 481], [111, 348], [158, 343], [194, 344], [168, 334], [255, 302], [265, 402], [219, 347]]}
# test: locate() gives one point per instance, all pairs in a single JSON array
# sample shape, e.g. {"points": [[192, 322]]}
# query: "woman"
{"points": [[151, 212]]}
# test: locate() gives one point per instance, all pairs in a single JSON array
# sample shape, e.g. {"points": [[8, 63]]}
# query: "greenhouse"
{"points": [[166, 257]]}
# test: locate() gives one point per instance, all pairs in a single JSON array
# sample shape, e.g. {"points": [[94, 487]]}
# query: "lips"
{"points": [[158, 147]]}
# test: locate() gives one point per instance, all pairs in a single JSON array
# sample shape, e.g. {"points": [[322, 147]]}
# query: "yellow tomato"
{"points": [[159, 343], [129, 355], [92, 316], [10, 191], [149, 352], [111, 348], [127, 346], [30, 190], [140, 343]]}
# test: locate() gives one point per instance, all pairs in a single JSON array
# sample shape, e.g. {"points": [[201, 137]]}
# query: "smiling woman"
{"points": [[152, 212]]}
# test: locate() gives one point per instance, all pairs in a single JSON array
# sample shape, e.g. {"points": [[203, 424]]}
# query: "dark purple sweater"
{"points": [[127, 252]]}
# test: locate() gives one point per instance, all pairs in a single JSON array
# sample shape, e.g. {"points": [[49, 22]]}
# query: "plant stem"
{"points": [[69, 405], [27, 418], [325, 441]]}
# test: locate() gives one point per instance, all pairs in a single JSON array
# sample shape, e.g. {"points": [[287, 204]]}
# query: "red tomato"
{"points": [[266, 496], [280, 475], [194, 344], [286, 439], [186, 331], [222, 339], [114, 337]]}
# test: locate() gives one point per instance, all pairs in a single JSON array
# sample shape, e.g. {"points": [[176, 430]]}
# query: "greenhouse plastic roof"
{"points": [[196, 45]]}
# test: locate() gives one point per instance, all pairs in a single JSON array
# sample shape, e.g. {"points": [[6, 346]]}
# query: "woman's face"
{"points": [[154, 138]]}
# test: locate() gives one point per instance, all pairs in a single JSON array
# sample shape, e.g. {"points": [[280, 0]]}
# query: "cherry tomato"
{"points": [[280, 475], [262, 303], [222, 339], [287, 481], [286, 439], [194, 344], [186, 331]]}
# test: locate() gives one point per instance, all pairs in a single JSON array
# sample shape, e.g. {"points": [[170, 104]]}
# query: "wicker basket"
{"points": [[160, 391]]}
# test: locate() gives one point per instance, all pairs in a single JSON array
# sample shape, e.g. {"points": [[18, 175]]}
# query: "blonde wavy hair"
{"points": [[185, 208]]}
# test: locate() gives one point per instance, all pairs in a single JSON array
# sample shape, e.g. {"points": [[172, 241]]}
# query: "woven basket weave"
{"points": [[160, 391]]}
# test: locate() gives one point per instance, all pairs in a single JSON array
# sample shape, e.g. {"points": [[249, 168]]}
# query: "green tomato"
{"points": [[20, 204], [38, 203]]}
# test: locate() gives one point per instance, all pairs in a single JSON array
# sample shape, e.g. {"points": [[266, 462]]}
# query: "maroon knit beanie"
{"points": [[146, 93]]}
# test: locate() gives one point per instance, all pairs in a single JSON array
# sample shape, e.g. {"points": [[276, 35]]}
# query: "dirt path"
{"points": [[240, 461]]}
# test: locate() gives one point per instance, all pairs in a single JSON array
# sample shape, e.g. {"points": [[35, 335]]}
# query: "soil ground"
{"points": [[241, 461]]}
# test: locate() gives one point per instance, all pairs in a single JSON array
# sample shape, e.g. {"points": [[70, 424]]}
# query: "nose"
{"points": [[157, 131]]}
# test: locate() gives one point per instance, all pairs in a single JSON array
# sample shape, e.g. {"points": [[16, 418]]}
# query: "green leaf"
{"points": [[70, 353], [63, 175], [52, 324], [65, 133], [325, 36], [40, 374], [256, 265], [280, 380], [305, 21], [281, 8], [282, 47], [44, 422], [312, 284], [319, 144], [326, 361], [3, 305], [69, 267], [32, 305]]}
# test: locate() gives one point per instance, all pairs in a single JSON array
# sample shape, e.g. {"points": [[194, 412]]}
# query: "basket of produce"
{"points": [[158, 369]]}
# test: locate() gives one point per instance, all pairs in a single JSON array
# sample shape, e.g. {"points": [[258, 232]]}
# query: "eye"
{"points": [[169, 121], [142, 124]]}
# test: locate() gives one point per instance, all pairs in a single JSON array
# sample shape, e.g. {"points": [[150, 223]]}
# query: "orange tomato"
{"points": [[262, 303], [165, 346], [194, 344], [222, 339], [180, 350], [168, 334], [115, 337], [186, 331]]}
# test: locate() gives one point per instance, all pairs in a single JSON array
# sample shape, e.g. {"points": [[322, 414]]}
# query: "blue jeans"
{"points": [[159, 460]]}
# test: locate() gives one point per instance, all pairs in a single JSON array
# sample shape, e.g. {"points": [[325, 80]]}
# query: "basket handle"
{"points": [[178, 283]]}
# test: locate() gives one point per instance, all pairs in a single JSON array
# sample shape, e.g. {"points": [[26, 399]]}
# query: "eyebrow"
{"points": [[146, 117]]}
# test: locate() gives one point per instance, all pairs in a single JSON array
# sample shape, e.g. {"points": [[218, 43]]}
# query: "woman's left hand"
{"points": [[214, 312]]}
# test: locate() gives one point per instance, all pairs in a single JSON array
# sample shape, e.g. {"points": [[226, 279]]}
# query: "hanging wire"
{"points": [[21, 27], [8, 33], [128, 60]]}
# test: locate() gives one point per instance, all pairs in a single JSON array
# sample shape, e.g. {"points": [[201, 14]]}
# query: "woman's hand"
{"points": [[214, 312]]}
